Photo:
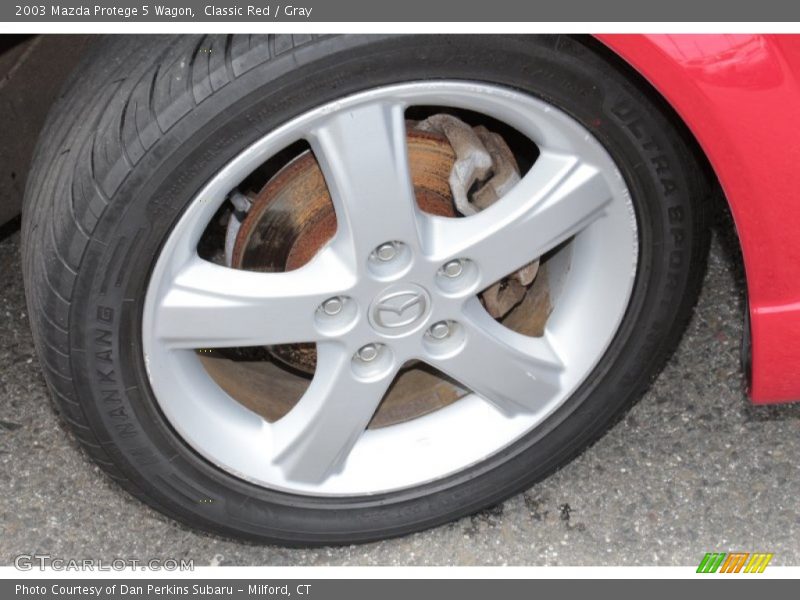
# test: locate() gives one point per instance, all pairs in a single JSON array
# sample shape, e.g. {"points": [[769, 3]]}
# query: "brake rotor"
{"points": [[292, 218]]}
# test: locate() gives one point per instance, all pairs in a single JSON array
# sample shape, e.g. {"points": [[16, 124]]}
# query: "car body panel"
{"points": [[32, 71], [740, 97]]}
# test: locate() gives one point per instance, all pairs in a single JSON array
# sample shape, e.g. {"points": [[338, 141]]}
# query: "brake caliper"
{"points": [[484, 170]]}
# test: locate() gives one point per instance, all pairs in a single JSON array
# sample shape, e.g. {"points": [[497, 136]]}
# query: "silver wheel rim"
{"points": [[322, 447]]}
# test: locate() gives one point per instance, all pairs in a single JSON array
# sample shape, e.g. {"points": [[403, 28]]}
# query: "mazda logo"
{"points": [[398, 309]]}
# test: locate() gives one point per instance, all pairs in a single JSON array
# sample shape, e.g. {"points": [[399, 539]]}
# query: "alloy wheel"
{"points": [[396, 285]]}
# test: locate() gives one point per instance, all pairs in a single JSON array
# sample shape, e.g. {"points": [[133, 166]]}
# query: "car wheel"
{"points": [[330, 290]]}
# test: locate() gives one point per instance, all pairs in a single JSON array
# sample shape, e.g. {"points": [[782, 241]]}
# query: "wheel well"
{"points": [[664, 106]]}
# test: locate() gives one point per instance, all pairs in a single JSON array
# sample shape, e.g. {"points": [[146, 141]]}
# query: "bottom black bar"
{"points": [[386, 589]]}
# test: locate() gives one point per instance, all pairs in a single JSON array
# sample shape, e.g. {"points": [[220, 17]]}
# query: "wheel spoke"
{"points": [[515, 373], [363, 154], [209, 306], [557, 198], [314, 439]]}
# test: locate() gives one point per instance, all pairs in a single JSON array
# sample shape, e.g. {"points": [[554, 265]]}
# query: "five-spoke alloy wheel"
{"points": [[379, 295]]}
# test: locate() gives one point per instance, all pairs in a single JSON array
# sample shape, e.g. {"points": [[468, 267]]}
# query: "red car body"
{"points": [[740, 97]]}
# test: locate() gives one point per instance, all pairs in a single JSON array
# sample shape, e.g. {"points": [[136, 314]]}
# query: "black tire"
{"points": [[138, 132]]}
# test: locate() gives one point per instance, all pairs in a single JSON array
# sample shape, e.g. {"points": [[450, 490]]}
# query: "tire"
{"points": [[135, 135]]}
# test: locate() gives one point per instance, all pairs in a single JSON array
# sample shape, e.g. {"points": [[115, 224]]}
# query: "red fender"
{"points": [[739, 95]]}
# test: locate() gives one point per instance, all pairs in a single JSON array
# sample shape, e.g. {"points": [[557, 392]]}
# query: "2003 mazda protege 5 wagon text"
{"points": [[332, 289]]}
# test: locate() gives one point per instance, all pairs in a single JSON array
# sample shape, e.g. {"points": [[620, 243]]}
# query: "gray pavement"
{"points": [[693, 468]]}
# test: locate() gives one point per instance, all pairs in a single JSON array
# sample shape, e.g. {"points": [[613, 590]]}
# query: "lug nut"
{"points": [[333, 306], [440, 330], [368, 353], [386, 252], [453, 268]]}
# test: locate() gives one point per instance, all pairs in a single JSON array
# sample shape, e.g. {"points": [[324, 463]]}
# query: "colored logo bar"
{"points": [[734, 562]]}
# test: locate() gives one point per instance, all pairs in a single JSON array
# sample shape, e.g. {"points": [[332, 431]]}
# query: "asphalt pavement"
{"points": [[694, 468]]}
